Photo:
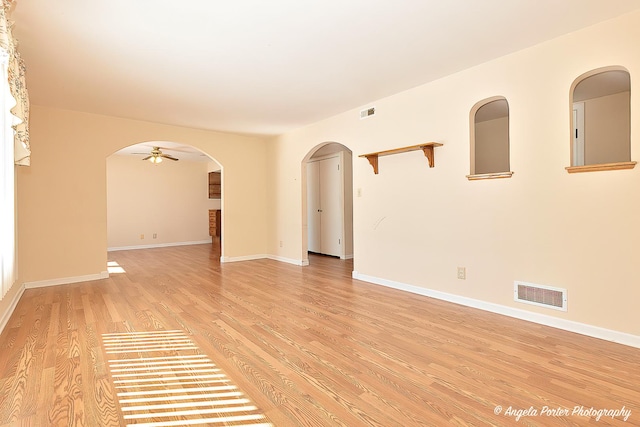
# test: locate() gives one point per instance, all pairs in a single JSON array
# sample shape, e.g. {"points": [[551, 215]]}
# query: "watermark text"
{"points": [[560, 411]]}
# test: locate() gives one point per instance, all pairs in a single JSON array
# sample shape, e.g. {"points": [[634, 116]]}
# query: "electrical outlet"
{"points": [[280, 243], [155, 235], [141, 236], [462, 273], [359, 192]]}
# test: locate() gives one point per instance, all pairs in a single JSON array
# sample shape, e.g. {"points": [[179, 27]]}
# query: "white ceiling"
{"points": [[267, 67]]}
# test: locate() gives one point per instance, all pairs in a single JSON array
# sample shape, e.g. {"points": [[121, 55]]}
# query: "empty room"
{"points": [[305, 213]]}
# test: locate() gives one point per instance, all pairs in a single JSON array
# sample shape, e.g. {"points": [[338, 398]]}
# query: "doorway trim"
{"points": [[303, 181]]}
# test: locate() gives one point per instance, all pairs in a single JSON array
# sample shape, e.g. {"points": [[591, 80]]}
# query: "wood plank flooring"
{"points": [[306, 346]]}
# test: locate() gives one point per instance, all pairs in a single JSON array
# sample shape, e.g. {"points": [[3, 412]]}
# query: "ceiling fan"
{"points": [[156, 156]]}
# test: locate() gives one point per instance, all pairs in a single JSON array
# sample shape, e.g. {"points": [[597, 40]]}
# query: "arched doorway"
{"points": [[327, 201], [158, 195]]}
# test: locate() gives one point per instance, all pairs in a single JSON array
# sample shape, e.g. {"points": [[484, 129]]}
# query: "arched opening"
{"points": [[158, 196], [327, 201], [601, 120], [489, 139]]}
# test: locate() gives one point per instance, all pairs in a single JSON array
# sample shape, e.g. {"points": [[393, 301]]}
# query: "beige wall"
{"points": [[492, 146], [62, 199], [416, 225], [168, 199], [606, 129]]}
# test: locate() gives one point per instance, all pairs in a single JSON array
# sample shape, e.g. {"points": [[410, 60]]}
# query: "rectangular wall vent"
{"points": [[367, 113], [543, 296]]}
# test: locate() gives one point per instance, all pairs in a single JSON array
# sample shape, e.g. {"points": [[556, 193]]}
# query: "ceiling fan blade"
{"points": [[169, 156], [147, 158], [178, 149]]}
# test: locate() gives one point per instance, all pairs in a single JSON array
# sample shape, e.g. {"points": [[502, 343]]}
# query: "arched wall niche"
{"points": [[600, 117], [489, 139]]}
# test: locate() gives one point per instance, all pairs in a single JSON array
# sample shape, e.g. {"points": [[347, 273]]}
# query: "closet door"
{"points": [[313, 207], [331, 213], [325, 206]]}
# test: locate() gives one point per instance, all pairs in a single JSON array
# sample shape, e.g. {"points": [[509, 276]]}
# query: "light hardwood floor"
{"points": [[308, 346]]}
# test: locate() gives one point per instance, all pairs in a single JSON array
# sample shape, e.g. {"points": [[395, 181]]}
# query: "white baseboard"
{"points": [[301, 262], [242, 258], [66, 280], [263, 256], [12, 306], [542, 319], [158, 245]]}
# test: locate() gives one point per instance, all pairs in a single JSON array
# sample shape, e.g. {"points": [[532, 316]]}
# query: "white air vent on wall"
{"points": [[543, 296], [368, 112]]}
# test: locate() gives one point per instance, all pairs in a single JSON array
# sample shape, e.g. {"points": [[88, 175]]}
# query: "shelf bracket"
{"points": [[428, 152], [373, 161]]}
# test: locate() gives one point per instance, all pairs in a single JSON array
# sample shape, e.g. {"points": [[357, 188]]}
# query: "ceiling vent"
{"points": [[543, 296], [371, 111]]}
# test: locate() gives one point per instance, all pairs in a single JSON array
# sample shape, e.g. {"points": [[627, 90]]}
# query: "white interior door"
{"points": [[313, 206], [331, 210], [325, 206]]}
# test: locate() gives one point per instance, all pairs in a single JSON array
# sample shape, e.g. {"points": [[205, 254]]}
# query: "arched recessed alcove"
{"points": [[600, 132], [489, 139], [157, 195], [327, 193]]}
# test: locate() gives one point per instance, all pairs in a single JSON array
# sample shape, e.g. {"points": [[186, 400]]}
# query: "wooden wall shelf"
{"points": [[427, 148]]}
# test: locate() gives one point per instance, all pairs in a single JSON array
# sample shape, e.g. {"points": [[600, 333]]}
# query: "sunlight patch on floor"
{"points": [[162, 380], [114, 268]]}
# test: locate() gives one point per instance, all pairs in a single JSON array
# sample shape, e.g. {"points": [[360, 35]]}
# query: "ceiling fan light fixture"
{"points": [[156, 156]]}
